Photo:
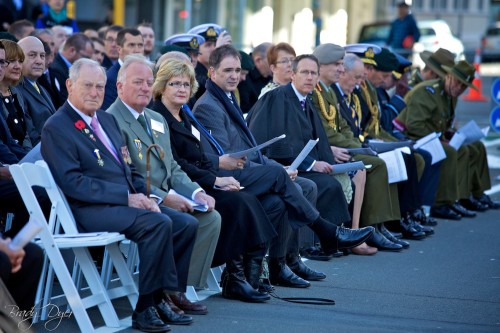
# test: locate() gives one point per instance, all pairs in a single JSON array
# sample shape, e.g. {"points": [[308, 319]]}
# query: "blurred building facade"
{"points": [[303, 23]]}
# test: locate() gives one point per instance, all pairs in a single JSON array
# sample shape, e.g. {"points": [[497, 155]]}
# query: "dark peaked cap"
{"points": [[386, 61]]}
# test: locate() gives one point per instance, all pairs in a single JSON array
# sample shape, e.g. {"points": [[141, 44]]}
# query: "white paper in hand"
{"points": [[27, 233]]}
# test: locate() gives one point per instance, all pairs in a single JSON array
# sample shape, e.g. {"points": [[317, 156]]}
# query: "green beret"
{"points": [[386, 61]]}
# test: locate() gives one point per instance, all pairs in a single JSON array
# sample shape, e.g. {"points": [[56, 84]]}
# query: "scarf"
{"points": [[202, 129], [58, 17]]}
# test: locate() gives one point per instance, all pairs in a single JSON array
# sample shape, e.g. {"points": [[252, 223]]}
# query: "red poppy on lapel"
{"points": [[80, 124]]}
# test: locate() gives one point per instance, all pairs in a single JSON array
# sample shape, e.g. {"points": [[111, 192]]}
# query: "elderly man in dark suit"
{"points": [[84, 149], [76, 46], [38, 102], [219, 112], [130, 110]]}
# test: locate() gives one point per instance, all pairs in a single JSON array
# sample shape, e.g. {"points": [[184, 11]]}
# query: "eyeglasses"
{"points": [[307, 73], [110, 40], [4, 63], [286, 61], [178, 84]]}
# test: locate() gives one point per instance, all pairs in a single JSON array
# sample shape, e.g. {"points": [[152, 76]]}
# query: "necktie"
{"points": [[350, 105], [36, 87], [94, 123], [303, 104], [142, 120]]}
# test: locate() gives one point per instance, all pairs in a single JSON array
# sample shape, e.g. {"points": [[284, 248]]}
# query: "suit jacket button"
{"points": [[197, 163]]}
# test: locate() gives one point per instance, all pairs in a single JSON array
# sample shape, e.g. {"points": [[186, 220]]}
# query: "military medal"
{"points": [[100, 162], [138, 145], [126, 155]]}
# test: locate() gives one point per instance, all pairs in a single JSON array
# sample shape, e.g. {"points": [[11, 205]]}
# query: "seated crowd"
{"points": [[94, 102]]}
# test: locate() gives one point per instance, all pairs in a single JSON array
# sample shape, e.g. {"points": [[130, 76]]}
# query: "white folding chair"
{"points": [[28, 175]]}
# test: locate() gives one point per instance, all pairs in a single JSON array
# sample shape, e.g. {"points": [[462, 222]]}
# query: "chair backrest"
{"points": [[26, 176]]}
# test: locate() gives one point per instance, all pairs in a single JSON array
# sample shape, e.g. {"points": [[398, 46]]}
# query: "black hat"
{"points": [[386, 61], [246, 61]]}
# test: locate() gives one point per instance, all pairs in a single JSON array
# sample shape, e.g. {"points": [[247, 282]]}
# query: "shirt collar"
{"points": [[85, 117], [134, 113], [65, 60], [299, 95]]}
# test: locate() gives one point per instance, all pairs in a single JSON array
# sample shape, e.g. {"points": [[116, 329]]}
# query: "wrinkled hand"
{"points": [[292, 174], [5, 173], [204, 199], [340, 155], [15, 257], [177, 202], [224, 39], [139, 200], [322, 167], [230, 163], [227, 183]]}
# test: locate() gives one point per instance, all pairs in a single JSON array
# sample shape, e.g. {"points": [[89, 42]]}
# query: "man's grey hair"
{"points": [[261, 49], [350, 60], [129, 60], [75, 69]]}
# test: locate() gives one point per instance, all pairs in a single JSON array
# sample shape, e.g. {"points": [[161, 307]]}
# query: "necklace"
{"points": [[8, 98]]}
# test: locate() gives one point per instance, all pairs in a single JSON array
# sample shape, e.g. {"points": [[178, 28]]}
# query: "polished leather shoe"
{"points": [[364, 250], [419, 216], [473, 205], [181, 301], [281, 275], [390, 236], [172, 304], [301, 269], [458, 208], [149, 321], [409, 231], [445, 212], [349, 238], [383, 244], [486, 200], [170, 317], [426, 229]]}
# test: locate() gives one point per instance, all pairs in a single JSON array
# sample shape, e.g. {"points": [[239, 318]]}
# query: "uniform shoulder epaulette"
{"points": [[430, 89]]}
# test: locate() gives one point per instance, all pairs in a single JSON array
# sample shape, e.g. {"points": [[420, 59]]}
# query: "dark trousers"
{"points": [[408, 189], [22, 285], [428, 183], [165, 242]]}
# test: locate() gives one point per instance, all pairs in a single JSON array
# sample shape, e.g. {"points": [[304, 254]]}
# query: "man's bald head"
{"points": [[34, 57]]}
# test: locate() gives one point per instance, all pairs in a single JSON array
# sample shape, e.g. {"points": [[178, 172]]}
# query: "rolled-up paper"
{"points": [[27, 233]]}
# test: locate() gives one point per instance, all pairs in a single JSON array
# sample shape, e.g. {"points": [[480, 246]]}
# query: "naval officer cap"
{"points": [[209, 31], [404, 66], [190, 42], [386, 61], [329, 53], [366, 52]]}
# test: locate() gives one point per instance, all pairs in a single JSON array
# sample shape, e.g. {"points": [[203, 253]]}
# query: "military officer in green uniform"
{"points": [[464, 173], [380, 203]]}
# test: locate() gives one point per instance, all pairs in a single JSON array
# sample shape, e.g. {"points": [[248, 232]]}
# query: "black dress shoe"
{"points": [[445, 212], [409, 230], [458, 208], [473, 205], [426, 229], [349, 238], [486, 200], [302, 270], [170, 317], [419, 216], [387, 234], [383, 244], [281, 275], [149, 321]]}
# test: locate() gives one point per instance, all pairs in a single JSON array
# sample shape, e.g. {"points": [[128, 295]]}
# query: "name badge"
{"points": [[195, 132], [157, 126]]}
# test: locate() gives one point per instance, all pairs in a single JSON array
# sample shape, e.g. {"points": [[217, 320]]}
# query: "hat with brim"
{"points": [[209, 31], [190, 42], [436, 60], [246, 61], [386, 61], [403, 66], [366, 52], [464, 72]]}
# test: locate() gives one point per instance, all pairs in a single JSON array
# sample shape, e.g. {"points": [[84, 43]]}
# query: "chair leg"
{"points": [[97, 287], [125, 276]]}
